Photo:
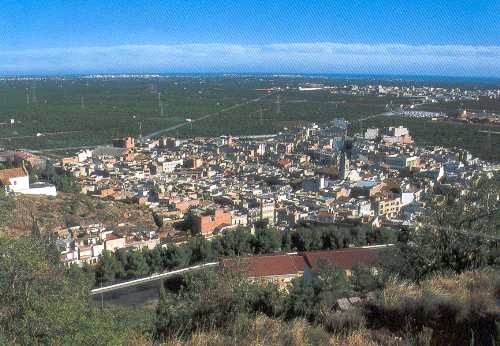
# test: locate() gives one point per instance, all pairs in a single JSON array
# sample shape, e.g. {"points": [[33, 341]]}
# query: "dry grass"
{"points": [[263, 331], [467, 289], [53, 213], [461, 288]]}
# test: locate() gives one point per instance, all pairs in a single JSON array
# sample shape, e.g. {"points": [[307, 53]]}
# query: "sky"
{"points": [[449, 38]]}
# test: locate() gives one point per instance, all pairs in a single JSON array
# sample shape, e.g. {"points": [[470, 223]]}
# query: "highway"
{"points": [[153, 277]]}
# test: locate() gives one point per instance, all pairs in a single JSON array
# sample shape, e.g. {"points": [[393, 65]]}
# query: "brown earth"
{"points": [[67, 209]]}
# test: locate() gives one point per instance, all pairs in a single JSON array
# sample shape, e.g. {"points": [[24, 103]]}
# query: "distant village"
{"points": [[204, 186]]}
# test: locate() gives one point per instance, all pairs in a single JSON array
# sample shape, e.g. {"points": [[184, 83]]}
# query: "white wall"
{"points": [[407, 198], [40, 189], [18, 184]]}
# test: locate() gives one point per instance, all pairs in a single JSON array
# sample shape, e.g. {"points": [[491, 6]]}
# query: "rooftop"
{"points": [[7, 174]]}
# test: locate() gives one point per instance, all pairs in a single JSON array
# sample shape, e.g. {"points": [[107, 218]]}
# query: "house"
{"points": [[17, 180], [126, 142], [345, 259], [389, 207], [114, 242], [281, 269], [276, 269], [206, 222]]}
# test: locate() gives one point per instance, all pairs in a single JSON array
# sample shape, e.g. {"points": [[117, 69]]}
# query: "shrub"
{"points": [[343, 322]]}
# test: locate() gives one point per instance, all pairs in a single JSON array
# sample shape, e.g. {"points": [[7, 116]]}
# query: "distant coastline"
{"points": [[391, 78]]}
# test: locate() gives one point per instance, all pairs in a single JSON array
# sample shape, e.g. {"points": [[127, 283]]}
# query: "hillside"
{"points": [[69, 209]]}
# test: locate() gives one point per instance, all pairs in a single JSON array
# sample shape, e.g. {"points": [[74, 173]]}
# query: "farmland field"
{"points": [[73, 112]]}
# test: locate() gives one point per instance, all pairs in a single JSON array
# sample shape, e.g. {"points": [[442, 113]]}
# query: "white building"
{"points": [[17, 180], [14, 179], [372, 134]]}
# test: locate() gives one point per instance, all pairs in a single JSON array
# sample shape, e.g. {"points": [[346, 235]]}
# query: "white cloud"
{"points": [[280, 57]]}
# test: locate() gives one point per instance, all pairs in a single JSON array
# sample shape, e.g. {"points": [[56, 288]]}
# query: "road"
{"points": [[256, 136], [384, 114], [172, 128], [154, 277]]}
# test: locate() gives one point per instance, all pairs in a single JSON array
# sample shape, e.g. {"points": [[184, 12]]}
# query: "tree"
{"points": [[208, 299], [305, 239], [268, 299], [108, 268], [44, 303], [136, 264], [63, 180], [309, 298], [158, 219], [233, 243], [153, 259], [201, 250], [329, 284], [328, 237], [299, 302], [473, 209], [266, 240], [175, 257], [286, 241], [364, 280]]}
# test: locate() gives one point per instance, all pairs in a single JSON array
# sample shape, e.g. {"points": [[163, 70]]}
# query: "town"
{"points": [[207, 186]]}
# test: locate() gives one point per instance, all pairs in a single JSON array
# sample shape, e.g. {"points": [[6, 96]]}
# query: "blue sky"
{"points": [[396, 37]]}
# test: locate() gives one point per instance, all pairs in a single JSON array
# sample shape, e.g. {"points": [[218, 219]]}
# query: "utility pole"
{"points": [[278, 105]]}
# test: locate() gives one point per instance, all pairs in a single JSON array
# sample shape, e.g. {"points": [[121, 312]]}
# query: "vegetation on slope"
{"points": [[44, 303], [67, 209]]}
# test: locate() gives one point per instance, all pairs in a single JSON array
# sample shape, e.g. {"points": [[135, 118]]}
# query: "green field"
{"points": [[448, 134], [116, 107], [484, 103]]}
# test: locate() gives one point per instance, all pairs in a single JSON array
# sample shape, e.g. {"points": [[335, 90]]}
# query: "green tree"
{"points": [[208, 299], [153, 259], [175, 257], [309, 298], [136, 264], [42, 303], [108, 268], [286, 241], [300, 300], [201, 250], [364, 280], [266, 240], [330, 284]]}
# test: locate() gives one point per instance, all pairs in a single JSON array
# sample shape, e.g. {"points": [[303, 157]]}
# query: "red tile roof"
{"points": [[342, 258], [284, 163], [112, 236], [261, 266], [7, 174], [23, 154]]}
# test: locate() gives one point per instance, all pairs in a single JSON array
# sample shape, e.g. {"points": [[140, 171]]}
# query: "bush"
{"points": [[458, 309], [343, 322]]}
